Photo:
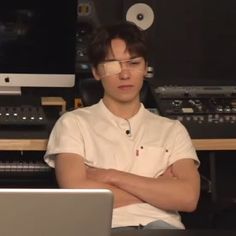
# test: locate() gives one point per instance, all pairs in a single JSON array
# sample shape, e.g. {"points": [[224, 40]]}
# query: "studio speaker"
{"points": [[144, 14], [141, 14], [90, 15]]}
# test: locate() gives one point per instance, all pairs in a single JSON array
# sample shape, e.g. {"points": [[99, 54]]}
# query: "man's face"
{"points": [[121, 74]]}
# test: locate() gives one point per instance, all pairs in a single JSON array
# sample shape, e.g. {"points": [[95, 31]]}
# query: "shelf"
{"points": [[41, 144], [23, 144]]}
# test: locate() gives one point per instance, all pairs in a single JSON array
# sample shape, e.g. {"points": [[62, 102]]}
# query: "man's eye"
{"points": [[134, 62]]}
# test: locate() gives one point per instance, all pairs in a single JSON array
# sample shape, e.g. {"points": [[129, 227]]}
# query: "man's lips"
{"points": [[128, 86]]}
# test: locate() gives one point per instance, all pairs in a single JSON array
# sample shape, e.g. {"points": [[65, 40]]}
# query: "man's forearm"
{"points": [[72, 173], [168, 193], [177, 189], [121, 197]]}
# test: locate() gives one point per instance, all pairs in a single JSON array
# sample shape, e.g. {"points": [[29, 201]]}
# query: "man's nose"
{"points": [[125, 73]]}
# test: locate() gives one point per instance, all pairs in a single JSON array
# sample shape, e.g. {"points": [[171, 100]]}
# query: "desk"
{"points": [[40, 144], [23, 144], [165, 232], [212, 145]]}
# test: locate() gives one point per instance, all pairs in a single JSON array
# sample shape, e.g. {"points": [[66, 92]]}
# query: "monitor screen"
{"points": [[37, 43]]}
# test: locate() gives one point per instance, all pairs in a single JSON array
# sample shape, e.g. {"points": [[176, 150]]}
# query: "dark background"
{"points": [[191, 42]]}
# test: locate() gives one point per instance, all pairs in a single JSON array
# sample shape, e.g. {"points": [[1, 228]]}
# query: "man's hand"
{"points": [[168, 173]]}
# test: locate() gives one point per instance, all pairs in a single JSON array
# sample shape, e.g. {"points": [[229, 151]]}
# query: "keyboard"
{"points": [[22, 115], [9, 167]]}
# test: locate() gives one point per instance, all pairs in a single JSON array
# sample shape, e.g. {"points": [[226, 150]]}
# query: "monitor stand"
{"points": [[10, 91]]}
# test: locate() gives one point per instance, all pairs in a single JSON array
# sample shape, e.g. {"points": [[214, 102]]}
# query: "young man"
{"points": [[148, 161]]}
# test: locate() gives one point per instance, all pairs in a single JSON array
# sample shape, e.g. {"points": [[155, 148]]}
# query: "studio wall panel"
{"points": [[174, 38], [191, 42]]}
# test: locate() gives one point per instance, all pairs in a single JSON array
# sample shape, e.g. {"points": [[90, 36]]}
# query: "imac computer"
{"points": [[37, 44]]}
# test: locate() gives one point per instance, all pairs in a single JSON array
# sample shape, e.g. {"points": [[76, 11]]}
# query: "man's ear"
{"points": [[146, 71], [95, 74], [149, 72]]}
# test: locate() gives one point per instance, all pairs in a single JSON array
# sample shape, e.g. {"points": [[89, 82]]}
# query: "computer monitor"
{"points": [[37, 44]]}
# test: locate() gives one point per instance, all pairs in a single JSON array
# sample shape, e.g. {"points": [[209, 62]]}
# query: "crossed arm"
{"points": [[177, 189]]}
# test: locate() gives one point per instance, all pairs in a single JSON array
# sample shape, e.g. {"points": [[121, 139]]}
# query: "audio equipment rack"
{"points": [[206, 111]]}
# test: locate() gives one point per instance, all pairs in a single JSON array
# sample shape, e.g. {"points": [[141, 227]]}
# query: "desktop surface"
{"points": [[171, 232]]}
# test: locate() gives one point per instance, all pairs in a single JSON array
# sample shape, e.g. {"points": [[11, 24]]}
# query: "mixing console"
{"points": [[206, 112]]}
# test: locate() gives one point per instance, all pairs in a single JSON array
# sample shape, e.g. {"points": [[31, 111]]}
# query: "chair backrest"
{"points": [[91, 91]]}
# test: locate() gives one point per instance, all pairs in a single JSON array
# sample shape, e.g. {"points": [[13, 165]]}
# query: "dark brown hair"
{"points": [[100, 42]]}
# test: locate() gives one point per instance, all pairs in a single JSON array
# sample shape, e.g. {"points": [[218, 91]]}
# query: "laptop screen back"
{"points": [[55, 212]]}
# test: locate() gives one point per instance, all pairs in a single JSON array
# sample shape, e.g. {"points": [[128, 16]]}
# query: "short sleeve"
{"points": [[65, 137], [182, 145]]}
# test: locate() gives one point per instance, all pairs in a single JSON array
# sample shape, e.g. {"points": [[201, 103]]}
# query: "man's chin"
{"points": [[128, 99]]}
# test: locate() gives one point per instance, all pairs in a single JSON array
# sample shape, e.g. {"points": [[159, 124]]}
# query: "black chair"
{"points": [[91, 91]]}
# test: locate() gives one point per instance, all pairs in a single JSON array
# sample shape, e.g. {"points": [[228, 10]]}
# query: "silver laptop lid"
{"points": [[55, 212]]}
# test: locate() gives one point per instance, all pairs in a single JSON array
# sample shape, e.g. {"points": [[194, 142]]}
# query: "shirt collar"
{"points": [[133, 123]]}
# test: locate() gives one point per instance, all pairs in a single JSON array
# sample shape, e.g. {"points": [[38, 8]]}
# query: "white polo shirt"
{"points": [[101, 138]]}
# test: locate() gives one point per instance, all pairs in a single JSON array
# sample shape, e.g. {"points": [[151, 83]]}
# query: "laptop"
{"points": [[55, 212]]}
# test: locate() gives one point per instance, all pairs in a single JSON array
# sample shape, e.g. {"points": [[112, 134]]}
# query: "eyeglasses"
{"points": [[114, 67]]}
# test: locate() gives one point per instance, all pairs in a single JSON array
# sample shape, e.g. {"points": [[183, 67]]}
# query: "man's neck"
{"points": [[125, 110]]}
